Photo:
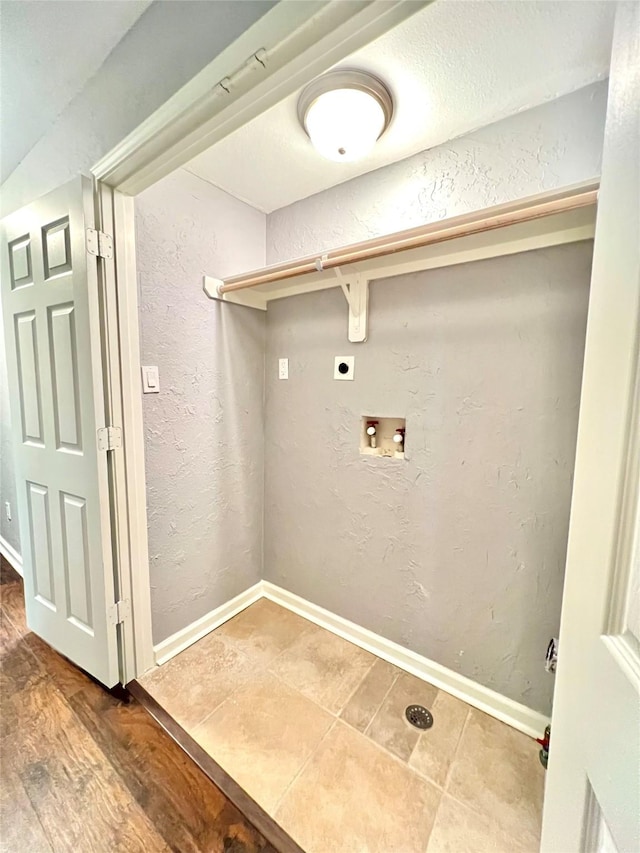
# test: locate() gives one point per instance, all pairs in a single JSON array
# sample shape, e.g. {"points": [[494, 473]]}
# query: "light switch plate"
{"points": [[150, 380], [344, 367]]}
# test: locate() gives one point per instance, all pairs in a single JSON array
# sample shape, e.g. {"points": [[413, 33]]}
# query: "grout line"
{"points": [[303, 766], [229, 644], [358, 686], [424, 735], [255, 668], [395, 758], [456, 750], [379, 708], [191, 730], [435, 817], [469, 805], [285, 680], [289, 684], [496, 818]]}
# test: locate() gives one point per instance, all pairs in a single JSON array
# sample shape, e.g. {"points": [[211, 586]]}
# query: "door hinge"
{"points": [[99, 244], [109, 438], [119, 611]]}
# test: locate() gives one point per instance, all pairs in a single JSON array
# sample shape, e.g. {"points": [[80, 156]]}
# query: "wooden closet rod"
{"points": [[488, 219]]}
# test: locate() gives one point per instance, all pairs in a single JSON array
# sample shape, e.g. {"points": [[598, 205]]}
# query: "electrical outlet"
{"points": [[7, 510], [283, 368], [344, 367]]}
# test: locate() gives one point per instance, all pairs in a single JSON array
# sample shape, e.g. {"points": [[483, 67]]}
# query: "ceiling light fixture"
{"points": [[344, 113]]}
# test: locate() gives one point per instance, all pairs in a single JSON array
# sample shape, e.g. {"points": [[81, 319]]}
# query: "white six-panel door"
{"points": [[51, 315]]}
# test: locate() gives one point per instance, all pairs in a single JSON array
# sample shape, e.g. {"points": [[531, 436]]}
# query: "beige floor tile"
{"points": [[457, 829], [262, 735], [364, 703], [326, 668], [496, 772], [353, 797], [264, 630], [390, 727], [436, 747], [192, 684]]}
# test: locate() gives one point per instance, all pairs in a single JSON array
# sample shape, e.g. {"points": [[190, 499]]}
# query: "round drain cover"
{"points": [[419, 717]]}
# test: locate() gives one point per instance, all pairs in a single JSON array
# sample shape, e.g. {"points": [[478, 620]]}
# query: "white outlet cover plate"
{"points": [[344, 367], [283, 368]]}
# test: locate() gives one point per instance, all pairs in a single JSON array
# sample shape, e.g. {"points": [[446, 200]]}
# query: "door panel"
{"points": [[64, 360], [40, 525], [51, 314], [76, 560], [29, 380]]}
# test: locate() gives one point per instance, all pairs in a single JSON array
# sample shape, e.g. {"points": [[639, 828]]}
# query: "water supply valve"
{"points": [[544, 743], [398, 439], [371, 432]]}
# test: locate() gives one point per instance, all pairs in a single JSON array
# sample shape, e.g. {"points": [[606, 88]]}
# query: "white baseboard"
{"points": [[11, 556], [524, 719], [182, 639]]}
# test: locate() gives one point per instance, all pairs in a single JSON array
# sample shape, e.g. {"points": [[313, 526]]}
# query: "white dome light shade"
{"points": [[344, 112], [344, 124]]}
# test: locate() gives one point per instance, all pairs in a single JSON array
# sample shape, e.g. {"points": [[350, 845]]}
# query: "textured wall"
{"points": [[556, 144], [458, 551], [204, 430], [171, 42], [8, 529]]}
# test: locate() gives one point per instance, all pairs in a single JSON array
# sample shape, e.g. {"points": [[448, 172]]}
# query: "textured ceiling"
{"points": [[452, 67], [48, 51]]}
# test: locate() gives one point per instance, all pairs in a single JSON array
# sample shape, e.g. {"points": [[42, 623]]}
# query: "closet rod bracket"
{"points": [[355, 287], [211, 287]]}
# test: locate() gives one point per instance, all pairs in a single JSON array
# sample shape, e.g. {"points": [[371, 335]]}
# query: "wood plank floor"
{"points": [[81, 771]]}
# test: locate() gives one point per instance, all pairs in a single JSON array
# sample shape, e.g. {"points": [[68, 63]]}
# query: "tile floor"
{"points": [[313, 728]]}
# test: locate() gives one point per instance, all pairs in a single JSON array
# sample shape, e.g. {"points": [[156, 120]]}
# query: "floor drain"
{"points": [[419, 717]]}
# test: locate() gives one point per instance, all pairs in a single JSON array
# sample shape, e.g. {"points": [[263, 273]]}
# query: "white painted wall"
{"points": [[556, 144], [204, 431]]}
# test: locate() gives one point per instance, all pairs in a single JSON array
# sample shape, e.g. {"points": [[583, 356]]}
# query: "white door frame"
{"points": [[275, 57], [127, 474]]}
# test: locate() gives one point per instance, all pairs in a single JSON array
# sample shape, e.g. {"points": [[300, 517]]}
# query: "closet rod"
{"points": [[488, 219]]}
